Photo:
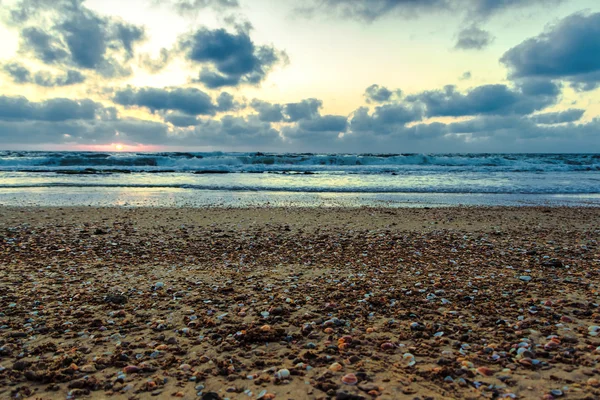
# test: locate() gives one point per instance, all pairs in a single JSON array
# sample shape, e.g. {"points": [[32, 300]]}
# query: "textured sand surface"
{"points": [[295, 303]]}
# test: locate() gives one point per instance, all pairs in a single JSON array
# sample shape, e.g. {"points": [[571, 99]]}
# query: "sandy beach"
{"points": [[293, 303]]}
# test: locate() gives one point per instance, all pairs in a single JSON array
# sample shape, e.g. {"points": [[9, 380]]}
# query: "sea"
{"points": [[225, 179]]}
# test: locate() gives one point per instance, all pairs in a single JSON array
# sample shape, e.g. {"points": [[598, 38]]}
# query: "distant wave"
{"points": [[292, 162]]}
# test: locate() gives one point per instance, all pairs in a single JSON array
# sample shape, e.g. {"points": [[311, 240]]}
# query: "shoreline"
{"points": [[297, 302], [193, 198]]}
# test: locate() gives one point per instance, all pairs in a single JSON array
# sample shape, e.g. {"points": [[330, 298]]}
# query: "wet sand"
{"points": [[292, 303]]}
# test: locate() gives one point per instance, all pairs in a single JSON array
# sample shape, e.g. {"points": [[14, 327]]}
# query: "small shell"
{"points": [[566, 319], [349, 379], [336, 367], [185, 367], [551, 345], [485, 371], [131, 369], [345, 339], [328, 331], [370, 330], [526, 362], [594, 382], [282, 374], [265, 328], [387, 346]]}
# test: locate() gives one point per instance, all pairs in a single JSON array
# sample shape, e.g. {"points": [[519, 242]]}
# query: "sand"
{"points": [[292, 303]]}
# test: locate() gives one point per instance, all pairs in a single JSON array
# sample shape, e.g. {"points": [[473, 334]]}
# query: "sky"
{"points": [[377, 76]]}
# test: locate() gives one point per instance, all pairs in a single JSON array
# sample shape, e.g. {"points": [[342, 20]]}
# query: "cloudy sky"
{"points": [[318, 75]]}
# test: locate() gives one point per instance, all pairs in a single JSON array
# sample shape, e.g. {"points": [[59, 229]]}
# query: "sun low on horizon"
{"points": [[318, 76]]}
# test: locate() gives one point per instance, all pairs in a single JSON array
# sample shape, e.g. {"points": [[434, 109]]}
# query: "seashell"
{"points": [[566, 319], [556, 392], [370, 330], [551, 345], [345, 339], [265, 328], [185, 367], [88, 368], [328, 331], [349, 379], [131, 369], [282, 374], [485, 371], [526, 362], [593, 382], [387, 346], [336, 367]]}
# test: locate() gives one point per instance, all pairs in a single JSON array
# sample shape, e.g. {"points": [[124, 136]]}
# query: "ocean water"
{"points": [[251, 179]]}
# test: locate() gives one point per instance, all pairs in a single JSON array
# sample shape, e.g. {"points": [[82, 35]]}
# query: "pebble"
{"points": [[349, 379]]}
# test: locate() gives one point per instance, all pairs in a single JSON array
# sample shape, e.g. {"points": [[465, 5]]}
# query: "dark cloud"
{"points": [[189, 101], [181, 120], [385, 119], [559, 117], [234, 59], [187, 6], [325, 123], [59, 109], [226, 102], [569, 50], [267, 112], [485, 8], [473, 38], [44, 46], [20, 74], [68, 34], [371, 10], [380, 94], [306, 109], [290, 112], [484, 100], [466, 76]]}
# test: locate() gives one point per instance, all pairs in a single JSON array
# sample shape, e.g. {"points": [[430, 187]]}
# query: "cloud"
{"points": [[290, 112], [21, 75], [473, 38], [558, 117], [485, 100], [232, 58], [267, 112], [380, 94], [325, 123], [157, 64], [189, 101], [65, 33], [385, 119], [58, 109], [371, 10], [226, 102], [306, 109], [568, 50], [185, 7], [181, 120]]}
